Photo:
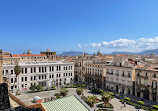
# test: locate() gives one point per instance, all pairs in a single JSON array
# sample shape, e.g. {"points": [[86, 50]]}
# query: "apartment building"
{"points": [[94, 75], [147, 82], [120, 76], [44, 73], [50, 55], [103, 60], [15, 58]]}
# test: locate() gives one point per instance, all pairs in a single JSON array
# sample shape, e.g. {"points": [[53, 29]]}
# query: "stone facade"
{"points": [[146, 83], [44, 73]]}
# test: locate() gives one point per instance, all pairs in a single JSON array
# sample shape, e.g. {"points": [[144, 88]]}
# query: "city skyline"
{"points": [[84, 26]]}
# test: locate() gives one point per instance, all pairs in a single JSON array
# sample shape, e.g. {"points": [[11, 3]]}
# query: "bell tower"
{"points": [[1, 66]]}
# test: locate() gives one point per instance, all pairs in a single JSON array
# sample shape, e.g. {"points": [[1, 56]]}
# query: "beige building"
{"points": [[16, 58], [80, 68], [120, 76], [50, 55], [146, 82], [95, 75]]}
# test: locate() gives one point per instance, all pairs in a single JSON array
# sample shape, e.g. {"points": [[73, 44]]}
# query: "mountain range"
{"points": [[145, 52], [72, 53]]}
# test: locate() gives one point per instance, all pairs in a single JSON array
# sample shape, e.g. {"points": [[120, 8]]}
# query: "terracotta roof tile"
{"points": [[32, 55]]}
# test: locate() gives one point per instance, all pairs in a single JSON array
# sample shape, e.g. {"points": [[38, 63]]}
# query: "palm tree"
{"points": [[17, 70], [39, 87], [105, 97], [64, 92], [79, 91], [33, 87], [91, 100]]}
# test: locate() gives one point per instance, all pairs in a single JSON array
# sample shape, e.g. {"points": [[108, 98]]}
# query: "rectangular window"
{"points": [[39, 77], [39, 69], [11, 71], [25, 70], [42, 69], [45, 69], [31, 78], [22, 71], [34, 77], [50, 69], [6, 71], [25, 78], [31, 70], [22, 79], [34, 69], [11, 80]]}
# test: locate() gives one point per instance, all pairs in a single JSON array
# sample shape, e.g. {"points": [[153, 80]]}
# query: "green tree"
{"points": [[91, 100], [57, 95], [53, 87], [17, 70], [64, 92], [105, 97], [39, 88], [79, 91], [33, 87]]}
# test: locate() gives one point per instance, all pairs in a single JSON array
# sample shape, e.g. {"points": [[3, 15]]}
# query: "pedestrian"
{"points": [[124, 104]]}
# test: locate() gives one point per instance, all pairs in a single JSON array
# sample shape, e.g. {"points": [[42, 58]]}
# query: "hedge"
{"points": [[155, 107], [127, 98], [111, 93], [141, 102]]}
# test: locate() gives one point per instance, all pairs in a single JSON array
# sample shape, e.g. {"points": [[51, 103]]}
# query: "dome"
{"points": [[48, 50], [29, 51]]}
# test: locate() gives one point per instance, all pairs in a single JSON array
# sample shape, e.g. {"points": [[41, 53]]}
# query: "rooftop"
{"points": [[69, 103]]}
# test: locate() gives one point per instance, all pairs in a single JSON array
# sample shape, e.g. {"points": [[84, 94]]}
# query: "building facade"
{"points": [[94, 75], [50, 55], [44, 73], [147, 82]]}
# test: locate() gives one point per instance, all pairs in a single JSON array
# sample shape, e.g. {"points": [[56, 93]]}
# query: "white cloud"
{"points": [[79, 45], [95, 45], [127, 44]]}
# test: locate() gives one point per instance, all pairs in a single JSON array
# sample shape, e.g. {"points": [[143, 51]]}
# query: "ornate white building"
{"points": [[44, 73]]}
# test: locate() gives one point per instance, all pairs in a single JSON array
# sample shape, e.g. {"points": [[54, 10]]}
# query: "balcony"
{"points": [[109, 73]]}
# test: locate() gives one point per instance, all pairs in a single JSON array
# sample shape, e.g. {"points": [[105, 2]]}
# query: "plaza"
{"points": [[117, 105]]}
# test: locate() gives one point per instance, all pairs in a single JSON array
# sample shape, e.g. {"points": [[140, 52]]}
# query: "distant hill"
{"points": [[72, 53], [115, 52], [146, 52]]}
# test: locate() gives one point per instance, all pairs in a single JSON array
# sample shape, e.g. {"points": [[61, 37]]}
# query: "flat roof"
{"points": [[69, 103]]}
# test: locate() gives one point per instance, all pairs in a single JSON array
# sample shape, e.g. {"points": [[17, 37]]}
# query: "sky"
{"points": [[78, 25]]}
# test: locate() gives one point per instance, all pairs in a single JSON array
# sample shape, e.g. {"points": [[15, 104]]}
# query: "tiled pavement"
{"points": [[118, 106]]}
